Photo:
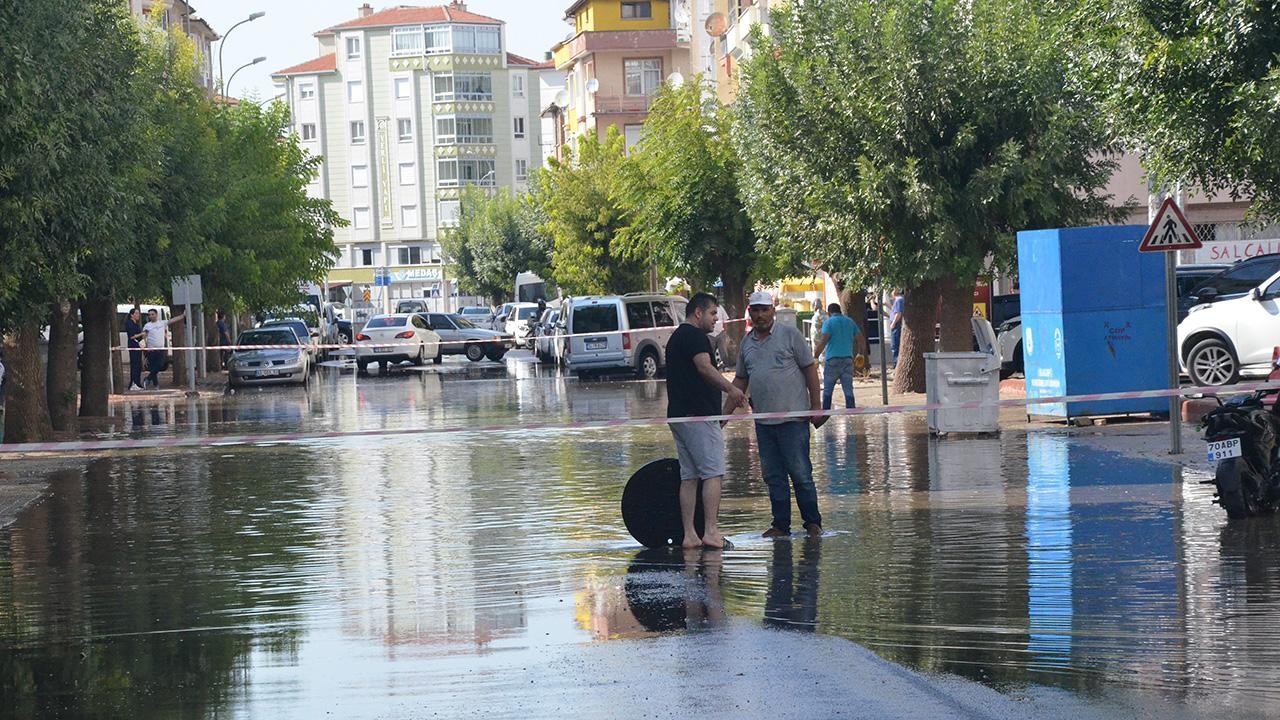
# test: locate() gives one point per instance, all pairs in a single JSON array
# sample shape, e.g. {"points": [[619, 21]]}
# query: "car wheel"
{"points": [[439, 358], [495, 353], [421, 358], [475, 353], [344, 339], [1018, 367], [648, 365], [1211, 362], [383, 366]]}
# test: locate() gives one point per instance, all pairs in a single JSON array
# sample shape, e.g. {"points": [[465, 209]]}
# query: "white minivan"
{"points": [[621, 332]]}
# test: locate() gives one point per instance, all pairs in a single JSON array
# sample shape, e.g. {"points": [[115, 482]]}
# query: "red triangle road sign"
{"points": [[1169, 231]]}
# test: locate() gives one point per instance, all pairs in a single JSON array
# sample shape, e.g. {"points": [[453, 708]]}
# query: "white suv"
{"points": [[621, 332], [1221, 341]]}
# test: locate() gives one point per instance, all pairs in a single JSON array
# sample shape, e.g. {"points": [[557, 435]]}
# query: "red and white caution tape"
{"points": [[503, 340], [273, 439]]}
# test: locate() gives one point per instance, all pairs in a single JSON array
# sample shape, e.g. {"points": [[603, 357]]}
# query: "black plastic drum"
{"points": [[651, 505]]}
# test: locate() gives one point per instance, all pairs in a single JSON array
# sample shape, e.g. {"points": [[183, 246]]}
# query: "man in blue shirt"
{"points": [[895, 324], [837, 337]]}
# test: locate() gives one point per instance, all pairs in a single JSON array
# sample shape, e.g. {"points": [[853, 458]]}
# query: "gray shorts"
{"points": [[700, 447]]}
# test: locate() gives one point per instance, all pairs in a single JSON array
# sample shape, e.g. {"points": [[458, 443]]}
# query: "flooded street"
{"points": [[490, 574]]}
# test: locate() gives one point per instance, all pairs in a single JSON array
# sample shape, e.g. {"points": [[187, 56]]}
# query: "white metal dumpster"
{"points": [[965, 377]]}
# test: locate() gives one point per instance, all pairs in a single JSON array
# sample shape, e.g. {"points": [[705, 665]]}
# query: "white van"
{"points": [[633, 332]]}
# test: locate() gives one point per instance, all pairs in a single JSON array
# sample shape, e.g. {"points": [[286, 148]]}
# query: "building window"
{"points": [[366, 257], [308, 131], [408, 175], [357, 132], [637, 10], [519, 128], [1207, 232], [360, 218], [451, 172], [409, 216], [355, 92], [478, 40], [517, 85], [464, 129], [353, 48], [437, 39], [407, 41], [631, 133], [409, 255], [522, 170], [448, 213], [402, 88], [404, 129], [306, 91], [359, 176], [463, 86], [643, 77]]}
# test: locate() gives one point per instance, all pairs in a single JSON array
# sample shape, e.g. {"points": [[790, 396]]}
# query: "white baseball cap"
{"points": [[760, 297]]}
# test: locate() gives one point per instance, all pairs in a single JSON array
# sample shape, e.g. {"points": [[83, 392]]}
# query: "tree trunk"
{"points": [[95, 380], [919, 318], [178, 358], [956, 314], [735, 298], [60, 378], [26, 414], [119, 358], [212, 357]]}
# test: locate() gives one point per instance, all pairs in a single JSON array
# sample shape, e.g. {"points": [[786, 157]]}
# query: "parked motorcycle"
{"points": [[1243, 434]]}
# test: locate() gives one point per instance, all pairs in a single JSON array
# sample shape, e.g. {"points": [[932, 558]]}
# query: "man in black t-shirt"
{"points": [[693, 390]]}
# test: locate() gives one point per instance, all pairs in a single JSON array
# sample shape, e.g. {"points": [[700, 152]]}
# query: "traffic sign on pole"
{"points": [[1169, 231]]}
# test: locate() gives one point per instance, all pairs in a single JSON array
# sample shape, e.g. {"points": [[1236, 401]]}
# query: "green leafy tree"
{"points": [[904, 142], [1191, 85], [682, 191], [583, 198], [496, 238], [73, 166]]}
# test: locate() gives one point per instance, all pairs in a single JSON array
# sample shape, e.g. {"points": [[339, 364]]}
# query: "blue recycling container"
{"points": [[1093, 319]]}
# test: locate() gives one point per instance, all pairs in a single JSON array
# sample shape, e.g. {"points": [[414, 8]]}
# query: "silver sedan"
{"points": [[269, 365]]}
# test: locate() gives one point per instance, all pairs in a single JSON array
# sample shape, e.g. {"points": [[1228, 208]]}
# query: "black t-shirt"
{"points": [[688, 394]]}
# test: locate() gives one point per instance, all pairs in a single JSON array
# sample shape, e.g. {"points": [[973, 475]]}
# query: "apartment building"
{"points": [[618, 54], [178, 13], [407, 106]]}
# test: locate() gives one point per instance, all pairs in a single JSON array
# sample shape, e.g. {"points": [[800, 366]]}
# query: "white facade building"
{"points": [[407, 106]]}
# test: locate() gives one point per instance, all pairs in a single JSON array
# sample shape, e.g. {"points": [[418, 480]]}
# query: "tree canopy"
{"points": [[496, 238], [583, 198]]}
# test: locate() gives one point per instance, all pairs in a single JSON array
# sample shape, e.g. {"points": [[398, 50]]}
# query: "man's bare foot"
{"points": [[691, 542], [715, 540]]}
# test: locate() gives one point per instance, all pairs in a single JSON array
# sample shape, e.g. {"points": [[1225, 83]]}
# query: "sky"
{"points": [[285, 34]]}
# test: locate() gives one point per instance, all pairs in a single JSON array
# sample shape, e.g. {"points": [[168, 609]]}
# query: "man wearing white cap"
{"points": [[776, 366]]}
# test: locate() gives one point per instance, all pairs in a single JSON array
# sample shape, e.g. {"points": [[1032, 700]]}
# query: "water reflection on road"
{"points": [[323, 576]]}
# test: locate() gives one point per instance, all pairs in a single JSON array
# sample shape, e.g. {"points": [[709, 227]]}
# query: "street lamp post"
{"points": [[223, 43], [254, 61]]}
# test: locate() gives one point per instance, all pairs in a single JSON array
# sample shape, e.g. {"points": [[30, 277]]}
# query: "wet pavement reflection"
{"points": [[418, 574]]}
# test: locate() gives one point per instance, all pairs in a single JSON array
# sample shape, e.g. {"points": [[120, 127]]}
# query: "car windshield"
{"points": [[526, 313], [462, 322], [1243, 277], [386, 321], [475, 311], [408, 307], [268, 337], [296, 325]]}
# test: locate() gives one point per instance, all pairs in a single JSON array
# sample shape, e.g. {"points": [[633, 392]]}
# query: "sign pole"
{"points": [[1171, 316], [884, 339], [191, 354]]}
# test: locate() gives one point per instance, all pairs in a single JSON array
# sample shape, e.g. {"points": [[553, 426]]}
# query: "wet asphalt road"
{"points": [[490, 575]]}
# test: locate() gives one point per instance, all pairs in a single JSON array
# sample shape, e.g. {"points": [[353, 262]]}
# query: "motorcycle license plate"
{"points": [[1222, 449]]}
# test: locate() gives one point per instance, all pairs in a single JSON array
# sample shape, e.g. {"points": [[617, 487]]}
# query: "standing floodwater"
{"points": [[490, 574]]}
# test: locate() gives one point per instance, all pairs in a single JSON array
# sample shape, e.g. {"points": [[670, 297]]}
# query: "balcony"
{"points": [[586, 43], [738, 36], [622, 104]]}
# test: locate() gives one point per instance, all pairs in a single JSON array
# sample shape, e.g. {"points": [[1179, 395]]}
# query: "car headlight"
{"points": [[1197, 308]]}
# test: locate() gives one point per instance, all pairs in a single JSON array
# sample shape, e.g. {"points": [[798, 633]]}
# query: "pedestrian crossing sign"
{"points": [[1170, 231]]}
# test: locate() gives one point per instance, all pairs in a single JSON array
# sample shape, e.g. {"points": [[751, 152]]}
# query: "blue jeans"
{"points": [[895, 339], [135, 368], [784, 453], [838, 369]]}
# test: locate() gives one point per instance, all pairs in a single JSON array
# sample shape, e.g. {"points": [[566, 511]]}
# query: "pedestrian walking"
{"points": [[694, 386], [133, 330], [157, 332], [776, 366], [224, 337], [895, 324], [836, 340]]}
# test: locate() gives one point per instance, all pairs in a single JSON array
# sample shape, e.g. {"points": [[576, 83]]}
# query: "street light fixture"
{"points": [[254, 61], [223, 43]]}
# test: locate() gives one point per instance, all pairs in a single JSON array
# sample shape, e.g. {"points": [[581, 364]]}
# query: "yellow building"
{"points": [[617, 55]]}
